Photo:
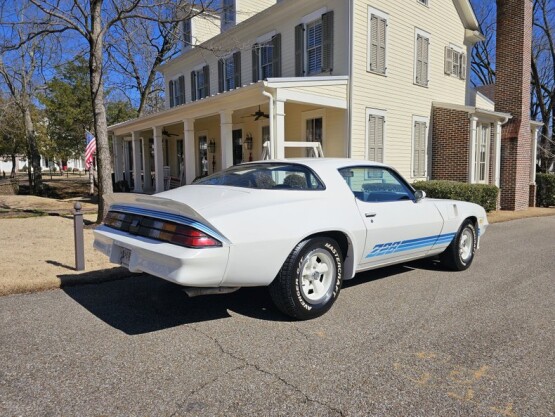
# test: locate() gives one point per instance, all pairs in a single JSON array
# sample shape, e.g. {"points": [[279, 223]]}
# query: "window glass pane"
{"points": [[187, 35], [376, 184], [199, 79], [266, 59], [267, 176], [314, 47], [229, 73]]}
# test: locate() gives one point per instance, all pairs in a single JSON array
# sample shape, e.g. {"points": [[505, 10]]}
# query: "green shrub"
{"points": [[545, 190], [483, 194]]}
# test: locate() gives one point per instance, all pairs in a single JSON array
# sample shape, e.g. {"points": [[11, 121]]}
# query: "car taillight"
{"points": [[165, 231], [193, 238]]}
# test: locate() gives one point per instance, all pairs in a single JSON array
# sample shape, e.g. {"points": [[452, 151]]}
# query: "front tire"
{"points": [[310, 279], [460, 253]]}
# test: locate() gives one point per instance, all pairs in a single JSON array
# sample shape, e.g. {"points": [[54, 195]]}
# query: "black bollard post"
{"points": [[78, 234]]}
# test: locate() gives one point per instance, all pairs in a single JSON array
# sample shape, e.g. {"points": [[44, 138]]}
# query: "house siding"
{"points": [[396, 92], [243, 36]]}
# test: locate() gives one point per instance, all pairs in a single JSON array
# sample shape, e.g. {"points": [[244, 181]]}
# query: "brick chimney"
{"points": [[512, 95]]}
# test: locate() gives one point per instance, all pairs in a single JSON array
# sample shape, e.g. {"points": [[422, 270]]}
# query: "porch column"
{"points": [[226, 138], [497, 154], [146, 165], [136, 141], [158, 159], [117, 142], [126, 161], [189, 150], [280, 129], [472, 149], [534, 154]]}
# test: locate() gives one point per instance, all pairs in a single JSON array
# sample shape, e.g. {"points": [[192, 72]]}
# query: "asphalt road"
{"points": [[413, 340]]}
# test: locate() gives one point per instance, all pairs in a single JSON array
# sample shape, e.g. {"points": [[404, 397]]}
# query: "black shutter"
{"points": [[221, 75], [193, 86], [171, 94], [182, 88], [327, 44], [255, 63], [237, 68], [206, 71], [276, 59], [299, 50]]}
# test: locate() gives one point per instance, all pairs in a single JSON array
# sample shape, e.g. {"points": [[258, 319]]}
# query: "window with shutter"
{"points": [[314, 41], [377, 36], [455, 62], [229, 14], [375, 138], [419, 149], [422, 46]]}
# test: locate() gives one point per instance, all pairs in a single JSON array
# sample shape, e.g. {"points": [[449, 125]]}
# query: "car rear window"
{"points": [[266, 176]]}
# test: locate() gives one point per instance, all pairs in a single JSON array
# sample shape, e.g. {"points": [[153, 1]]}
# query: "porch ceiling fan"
{"points": [[258, 114], [166, 133]]}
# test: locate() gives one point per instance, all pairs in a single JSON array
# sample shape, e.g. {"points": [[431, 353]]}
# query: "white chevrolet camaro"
{"points": [[299, 226]]}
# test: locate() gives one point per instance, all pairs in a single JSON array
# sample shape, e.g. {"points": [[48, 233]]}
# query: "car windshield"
{"points": [[266, 176]]}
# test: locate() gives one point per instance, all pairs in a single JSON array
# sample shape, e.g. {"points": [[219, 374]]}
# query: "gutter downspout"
{"points": [[271, 111], [350, 58]]}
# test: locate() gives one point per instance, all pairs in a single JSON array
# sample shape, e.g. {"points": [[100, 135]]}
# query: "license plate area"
{"points": [[124, 256]]}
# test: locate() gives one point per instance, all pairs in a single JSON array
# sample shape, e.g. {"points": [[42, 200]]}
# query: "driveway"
{"points": [[412, 340]]}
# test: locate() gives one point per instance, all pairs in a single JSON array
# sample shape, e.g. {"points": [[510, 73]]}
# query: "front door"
{"points": [[237, 135], [397, 227]]}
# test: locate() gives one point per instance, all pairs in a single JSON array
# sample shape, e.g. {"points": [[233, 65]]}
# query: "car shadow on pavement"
{"points": [[143, 304]]}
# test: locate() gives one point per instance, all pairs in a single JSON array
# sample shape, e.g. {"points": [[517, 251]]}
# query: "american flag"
{"points": [[90, 149]]}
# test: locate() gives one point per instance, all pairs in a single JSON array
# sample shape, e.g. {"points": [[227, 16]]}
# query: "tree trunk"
{"points": [[14, 163], [35, 182], [100, 123]]}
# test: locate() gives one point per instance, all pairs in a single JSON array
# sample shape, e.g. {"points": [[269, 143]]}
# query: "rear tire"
{"points": [[460, 253], [310, 280]]}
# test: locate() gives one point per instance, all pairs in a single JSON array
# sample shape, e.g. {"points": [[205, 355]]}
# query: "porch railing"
{"points": [[315, 148]]}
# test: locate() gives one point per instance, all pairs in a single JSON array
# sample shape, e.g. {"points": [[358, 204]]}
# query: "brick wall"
{"points": [[450, 144], [512, 95]]}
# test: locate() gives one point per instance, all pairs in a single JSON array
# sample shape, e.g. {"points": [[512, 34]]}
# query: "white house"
{"points": [[371, 79]]}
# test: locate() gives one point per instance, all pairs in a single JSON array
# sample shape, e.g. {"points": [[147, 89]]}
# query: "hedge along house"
{"points": [[374, 79]]}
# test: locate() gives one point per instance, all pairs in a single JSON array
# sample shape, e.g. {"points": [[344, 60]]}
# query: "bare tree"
{"points": [[91, 20], [543, 78], [19, 69], [143, 45], [483, 53]]}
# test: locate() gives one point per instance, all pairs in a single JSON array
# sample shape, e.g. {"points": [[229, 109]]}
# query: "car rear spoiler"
{"points": [[163, 206]]}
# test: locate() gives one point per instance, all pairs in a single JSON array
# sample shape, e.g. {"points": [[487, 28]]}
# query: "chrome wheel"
{"points": [[317, 273], [466, 245]]}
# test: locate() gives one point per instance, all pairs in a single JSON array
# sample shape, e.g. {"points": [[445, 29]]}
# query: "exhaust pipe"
{"points": [[197, 291]]}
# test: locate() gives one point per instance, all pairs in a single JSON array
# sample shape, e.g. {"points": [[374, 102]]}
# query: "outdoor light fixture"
{"points": [[248, 141], [212, 146]]}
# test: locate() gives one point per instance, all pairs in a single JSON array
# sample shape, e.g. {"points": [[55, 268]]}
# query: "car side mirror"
{"points": [[419, 195]]}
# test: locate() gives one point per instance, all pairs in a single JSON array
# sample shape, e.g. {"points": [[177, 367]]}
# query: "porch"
{"points": [[175, 146]]}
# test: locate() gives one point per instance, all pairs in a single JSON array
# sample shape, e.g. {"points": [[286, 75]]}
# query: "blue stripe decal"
{"points": [[170, 217], [411, 244]]}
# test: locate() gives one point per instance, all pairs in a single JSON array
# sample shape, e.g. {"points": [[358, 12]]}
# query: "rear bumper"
{"points": [[183, 266]]}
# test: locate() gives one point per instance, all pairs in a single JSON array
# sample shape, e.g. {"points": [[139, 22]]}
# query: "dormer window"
{"points": [[228, 14], [187, 33]]}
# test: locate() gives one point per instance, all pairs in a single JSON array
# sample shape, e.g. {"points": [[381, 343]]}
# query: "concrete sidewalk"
{"points": [[38, 252]]}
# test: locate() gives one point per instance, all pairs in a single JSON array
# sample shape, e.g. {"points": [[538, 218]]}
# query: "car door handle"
{"points": [[370, 214]]}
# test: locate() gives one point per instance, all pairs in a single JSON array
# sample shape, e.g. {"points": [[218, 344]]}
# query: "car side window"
{"points": [[376, 184]]}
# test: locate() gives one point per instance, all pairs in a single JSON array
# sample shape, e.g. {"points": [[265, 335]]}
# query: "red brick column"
{"points": [[512, 95]]}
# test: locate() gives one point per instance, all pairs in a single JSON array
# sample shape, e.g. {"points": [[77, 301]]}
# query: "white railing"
{"points": [[315, 148]]}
